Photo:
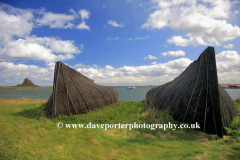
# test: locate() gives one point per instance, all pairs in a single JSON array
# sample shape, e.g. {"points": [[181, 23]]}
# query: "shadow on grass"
{"points": [[33, 113], [237, 148], [236, 153]]}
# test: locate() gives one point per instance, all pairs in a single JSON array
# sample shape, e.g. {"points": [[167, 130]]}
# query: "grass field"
{"points": [[26, 133]]}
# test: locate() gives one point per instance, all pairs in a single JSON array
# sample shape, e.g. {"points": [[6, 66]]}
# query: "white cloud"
{"points": [[17, 43], [161, 73], [104, 6], [204, 22], [18, 22], [55, 44], [38, 48], [138, 38], [108, 67], [110, 39], [140, 5], [228, 67], [73, 12], [18, 72], [78, 65], [142, 37], [115, 24], [228, 56], [154, 63], [95, 66], [69, 25], [84, 14], [55, 20], [149, 57], [234, 2], [229, 46], [173, 53], [63, 20], [83, 26], [14, 21], [180, 41]]}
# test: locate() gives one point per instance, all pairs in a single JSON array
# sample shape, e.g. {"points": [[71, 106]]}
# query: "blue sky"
{"points": [[116, 42]]}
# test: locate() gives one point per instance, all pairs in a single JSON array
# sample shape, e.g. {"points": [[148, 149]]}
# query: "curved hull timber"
{"points": [[74, 93], [195, 96]]}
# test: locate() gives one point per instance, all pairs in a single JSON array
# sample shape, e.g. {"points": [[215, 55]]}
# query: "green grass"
{"points": [[27, 85], [26, 133], [234, 127]]}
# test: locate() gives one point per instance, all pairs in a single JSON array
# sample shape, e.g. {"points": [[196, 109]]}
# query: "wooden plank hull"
{"points": [[195, 96], [74, 93]]}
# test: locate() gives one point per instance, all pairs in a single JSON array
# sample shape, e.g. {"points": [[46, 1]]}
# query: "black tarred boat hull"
{"points": [[195, 96], [74, 93]]}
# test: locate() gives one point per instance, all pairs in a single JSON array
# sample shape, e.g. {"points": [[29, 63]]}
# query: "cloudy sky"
{"points": [[116, 42]]}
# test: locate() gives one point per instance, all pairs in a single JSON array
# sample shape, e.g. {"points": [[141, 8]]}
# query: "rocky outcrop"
{"points": [[27, 82]]}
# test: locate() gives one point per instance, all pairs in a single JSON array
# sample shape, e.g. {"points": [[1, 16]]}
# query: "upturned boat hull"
{"points": [[195, 96], [74, 93]]}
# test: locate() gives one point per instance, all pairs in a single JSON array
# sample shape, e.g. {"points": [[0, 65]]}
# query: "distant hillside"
{"points": [[27, 83]]}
